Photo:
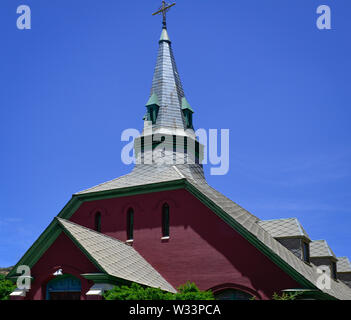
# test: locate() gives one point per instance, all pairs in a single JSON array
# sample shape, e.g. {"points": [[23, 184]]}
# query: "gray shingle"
{"points": [[284, 228], [167, 86], [320, 248], [343, 264], [193, 174], [115, 257]]}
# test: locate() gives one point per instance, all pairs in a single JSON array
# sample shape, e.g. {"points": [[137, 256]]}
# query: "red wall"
{"points": [[63, 254], [202, 248]]}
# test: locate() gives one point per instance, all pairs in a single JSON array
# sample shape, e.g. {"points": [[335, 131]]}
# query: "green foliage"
{"points": [[136, 292], [6, 287], [286, 296], [189, 291]]}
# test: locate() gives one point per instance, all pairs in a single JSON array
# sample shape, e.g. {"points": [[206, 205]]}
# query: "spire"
{"points": [[168, 136], [166, 84]]}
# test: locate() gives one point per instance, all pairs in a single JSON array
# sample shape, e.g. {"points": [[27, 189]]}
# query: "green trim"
{"points": [[104, 278], [50, 234], [34, 253], [77, 243], [250, 237], [186, 105], [153, 100], [78, 199]]}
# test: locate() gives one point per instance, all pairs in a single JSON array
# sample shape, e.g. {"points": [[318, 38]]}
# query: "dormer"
{"points": [[290, 233], [153, 107], [344, 270], [187, 113], [322, 255]]}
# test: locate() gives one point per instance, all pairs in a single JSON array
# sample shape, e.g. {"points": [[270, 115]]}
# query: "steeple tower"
{"points": [[168, 133], [166, 84]]}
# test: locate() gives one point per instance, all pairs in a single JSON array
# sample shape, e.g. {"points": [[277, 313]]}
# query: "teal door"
{"points": [[64, 287]]}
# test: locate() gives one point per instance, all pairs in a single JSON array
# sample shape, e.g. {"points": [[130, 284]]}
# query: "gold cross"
{"points": [[163, 10]]}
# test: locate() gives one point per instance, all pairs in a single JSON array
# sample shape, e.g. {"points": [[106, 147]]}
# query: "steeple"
{"points": [[166, 84], [168, 137]]}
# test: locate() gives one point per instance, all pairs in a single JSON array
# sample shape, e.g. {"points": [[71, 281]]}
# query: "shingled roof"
{"points": [[320, 248], [284, 228], [240, 219], [167, 86], [115, 257], [343, 265]]}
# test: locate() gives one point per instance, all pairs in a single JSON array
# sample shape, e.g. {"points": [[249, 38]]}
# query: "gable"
{"points": [[236, 217]]}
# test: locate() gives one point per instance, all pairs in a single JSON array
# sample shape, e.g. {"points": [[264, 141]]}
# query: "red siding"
{"points": [[64, 254], [202, 248]]}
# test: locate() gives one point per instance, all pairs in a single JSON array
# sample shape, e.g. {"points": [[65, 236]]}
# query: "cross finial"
{"points": [[163, 10]]}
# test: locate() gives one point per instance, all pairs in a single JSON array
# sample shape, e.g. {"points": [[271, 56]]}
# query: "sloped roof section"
{"points": [[343, 265], [249, 223], [284, 228], [141, 175], [167, 86], [320, 248], [115, 257], [231, 212]]}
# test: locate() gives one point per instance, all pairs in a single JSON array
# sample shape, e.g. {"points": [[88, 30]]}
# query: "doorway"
{"points": [[65, 287]]}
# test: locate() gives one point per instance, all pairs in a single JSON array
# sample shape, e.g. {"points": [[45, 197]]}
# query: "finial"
{"points": [[163, 10]]}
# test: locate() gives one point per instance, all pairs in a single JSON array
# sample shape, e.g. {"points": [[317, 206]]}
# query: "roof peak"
{"points": [[165, 36]]}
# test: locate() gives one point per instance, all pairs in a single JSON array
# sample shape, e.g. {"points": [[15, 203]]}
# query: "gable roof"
{"points": [[115, 257], [190, 177], [111, 256], [141, 175], [343, 265], [320, 248], [284, 228], [240, 219]]}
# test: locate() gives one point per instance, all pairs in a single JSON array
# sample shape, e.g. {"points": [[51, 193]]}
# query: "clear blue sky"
{"points": [[261, 68]]}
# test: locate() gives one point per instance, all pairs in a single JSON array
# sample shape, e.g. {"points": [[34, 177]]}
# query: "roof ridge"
{"points": [[91, 230], [100, 184], [278, 219], [179, 172]]}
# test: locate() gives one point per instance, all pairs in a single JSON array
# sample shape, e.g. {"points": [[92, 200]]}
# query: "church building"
{"points": [[162, 225]]}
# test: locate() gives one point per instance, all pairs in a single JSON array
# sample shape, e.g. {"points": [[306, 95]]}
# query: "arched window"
{"points": [[130, 224], [98, 221], [165, 220], [232, 294]]}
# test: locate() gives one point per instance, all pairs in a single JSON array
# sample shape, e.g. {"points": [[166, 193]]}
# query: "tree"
{"points": [[6, 287], [188, 291]]}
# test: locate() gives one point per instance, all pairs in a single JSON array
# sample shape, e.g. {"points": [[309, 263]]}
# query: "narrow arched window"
{"points": [[130, 224], [98, 221], [165, 220]]}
